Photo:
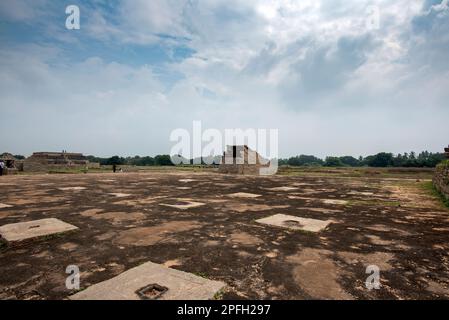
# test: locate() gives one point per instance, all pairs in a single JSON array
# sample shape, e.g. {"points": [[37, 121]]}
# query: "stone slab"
{"points": [[185, 205], [181, 285], [72, 188], [4, 205], [285, 188], [120, 195], [335, 201], [33, 229], [244, 195], [295, 223]]}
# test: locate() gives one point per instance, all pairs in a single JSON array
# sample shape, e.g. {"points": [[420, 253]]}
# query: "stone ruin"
{"points": [[10, 163], [441, 176], [242, 160], [44, 161]]}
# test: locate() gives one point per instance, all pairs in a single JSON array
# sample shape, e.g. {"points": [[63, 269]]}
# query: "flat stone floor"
{"points": [[392, 223]]}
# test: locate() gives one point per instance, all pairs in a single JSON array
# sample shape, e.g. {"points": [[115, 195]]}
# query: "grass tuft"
{"points": [[219, 295], [201, 274], [429, 187]]}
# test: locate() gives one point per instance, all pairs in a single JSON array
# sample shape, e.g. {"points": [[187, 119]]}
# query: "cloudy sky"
{"points": [[323, 72]]}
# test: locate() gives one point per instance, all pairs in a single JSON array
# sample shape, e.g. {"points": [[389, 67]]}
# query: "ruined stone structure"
{"points": [[241, 160], [64, 158], [10, 163], [44, 161], [441, 177]]}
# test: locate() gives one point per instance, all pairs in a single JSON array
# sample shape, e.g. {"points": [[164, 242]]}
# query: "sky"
{"points": [[334, 77]]}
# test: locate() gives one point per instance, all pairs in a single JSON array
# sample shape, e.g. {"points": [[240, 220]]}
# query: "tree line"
{"points": [[382, 159], [159, 160]]}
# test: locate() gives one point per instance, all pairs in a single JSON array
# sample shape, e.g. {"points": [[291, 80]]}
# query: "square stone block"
{"points": [[295, 223], [16, 232], [149, 277]]}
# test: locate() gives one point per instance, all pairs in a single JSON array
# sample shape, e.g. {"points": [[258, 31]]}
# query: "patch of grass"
{"points": [[68, 171], [429, 187], [444, 163], [201, 274], [379, 203], [219, 295]]}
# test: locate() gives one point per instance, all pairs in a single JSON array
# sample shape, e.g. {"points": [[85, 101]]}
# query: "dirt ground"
{"points": [[204, 223]]}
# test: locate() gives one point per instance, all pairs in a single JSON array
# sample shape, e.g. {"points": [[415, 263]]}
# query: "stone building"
{"points": [[64, 158], [10, 163], [446, 152], [241, 160], [44, 161]]}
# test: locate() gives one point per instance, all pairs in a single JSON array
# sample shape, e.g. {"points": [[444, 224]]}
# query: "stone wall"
{"points": [[441, 178], [251, 169], [31, 166]]}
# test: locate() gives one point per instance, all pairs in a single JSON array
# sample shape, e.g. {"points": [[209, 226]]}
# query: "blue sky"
{"points": [[136, 70]]}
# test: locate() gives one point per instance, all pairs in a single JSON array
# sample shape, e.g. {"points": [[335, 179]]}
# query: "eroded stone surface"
{"points": [[244, 238], [165, 232], [402, 229], [317, 274], [253, 207], [380, 259]]}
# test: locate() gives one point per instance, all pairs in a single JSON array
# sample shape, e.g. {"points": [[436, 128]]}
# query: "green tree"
{"points": [[350, 161], [333, 162], [304, 160], [163, 160], [382, 159], [115, 160]]}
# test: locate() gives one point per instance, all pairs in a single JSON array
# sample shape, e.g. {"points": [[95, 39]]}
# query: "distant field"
{"points": [[404, 173], [410, 173]]}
